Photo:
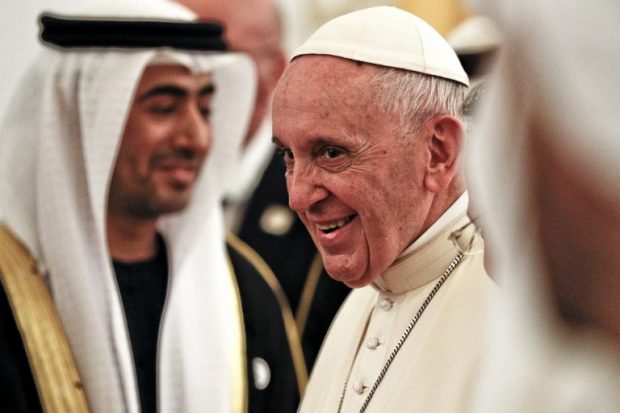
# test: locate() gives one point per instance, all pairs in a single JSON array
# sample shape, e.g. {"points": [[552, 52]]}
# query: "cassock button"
{"points": [[277, 220], [386, 304], [359, 387], [262, 373], [372, 343]]}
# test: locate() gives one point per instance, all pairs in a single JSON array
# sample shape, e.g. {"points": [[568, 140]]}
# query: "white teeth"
{"points": [[335, 225]]}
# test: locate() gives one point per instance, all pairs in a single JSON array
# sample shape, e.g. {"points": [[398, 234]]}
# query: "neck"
{"points": [[130, 239], [439, 206]]}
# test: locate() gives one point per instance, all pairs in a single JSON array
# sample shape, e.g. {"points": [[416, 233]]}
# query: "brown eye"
{"points": [[333, 158], [205, 112], [286, 154], [162, 109], [288, 158], [331, 152], [162, 105]]}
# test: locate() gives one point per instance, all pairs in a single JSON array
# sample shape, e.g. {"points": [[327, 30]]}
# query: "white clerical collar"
{"points": [[458, 208], [422, 264], [429, 259]]}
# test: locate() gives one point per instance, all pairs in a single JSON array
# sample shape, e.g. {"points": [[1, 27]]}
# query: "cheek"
{"points": [[381, 231], [134, 163], [377, 219], [377, 200], [391, 215]]}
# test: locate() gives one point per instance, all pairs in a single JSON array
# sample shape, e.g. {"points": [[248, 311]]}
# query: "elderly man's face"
{"points": [[353, 179], [166, 139]]}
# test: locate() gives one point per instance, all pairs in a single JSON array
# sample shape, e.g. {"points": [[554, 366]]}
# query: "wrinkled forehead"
{"points": [[323, 96], [331, 67], [335, 81]]}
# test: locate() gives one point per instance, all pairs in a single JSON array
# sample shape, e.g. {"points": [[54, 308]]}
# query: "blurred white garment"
{"points": [[248, 171], [558, 69]]}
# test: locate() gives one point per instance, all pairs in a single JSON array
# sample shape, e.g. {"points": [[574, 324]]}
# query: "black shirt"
{"points": [[143, 288], [18, 392]]}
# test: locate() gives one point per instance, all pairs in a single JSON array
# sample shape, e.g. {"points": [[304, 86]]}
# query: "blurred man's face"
{"points": [[166, 139], [353, 179]]}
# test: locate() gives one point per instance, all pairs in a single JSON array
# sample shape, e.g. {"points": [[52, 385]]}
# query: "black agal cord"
{"points": [[85, 32]]}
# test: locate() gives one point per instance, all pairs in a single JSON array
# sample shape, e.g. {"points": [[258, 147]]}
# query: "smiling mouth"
{"points": [[333, 226]]}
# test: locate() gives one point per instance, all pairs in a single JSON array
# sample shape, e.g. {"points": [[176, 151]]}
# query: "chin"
{"points": [[359, 282], [170, 205], [349, 277]]}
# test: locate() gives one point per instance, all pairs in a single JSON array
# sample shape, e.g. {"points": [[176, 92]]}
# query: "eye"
{"points": [[162, 105], [204, 106], [288, 158], [205, 112], [286, 154], [333, 158], [330, 152], [162, 109]]}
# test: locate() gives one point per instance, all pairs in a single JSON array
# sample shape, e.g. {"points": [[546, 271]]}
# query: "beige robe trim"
{"points": [[425, 264], [57, 380], [290, 327]]}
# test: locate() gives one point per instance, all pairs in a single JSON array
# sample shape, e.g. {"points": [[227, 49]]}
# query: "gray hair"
{"points": [[414, 97]]}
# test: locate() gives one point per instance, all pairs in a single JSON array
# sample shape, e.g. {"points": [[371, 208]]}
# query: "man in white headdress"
{"points": [[544, 171], [103, 180], [367, 117]]}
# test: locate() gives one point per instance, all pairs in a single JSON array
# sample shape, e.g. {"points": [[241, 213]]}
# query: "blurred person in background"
{"points": [[544, 171], [476, 41], [474, 37]]}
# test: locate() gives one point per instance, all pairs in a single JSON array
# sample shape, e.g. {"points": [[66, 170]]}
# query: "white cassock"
{"points": [[438, 362]]}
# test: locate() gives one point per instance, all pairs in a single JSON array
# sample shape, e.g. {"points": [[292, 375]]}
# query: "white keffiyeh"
{"points": [[57, 149]]}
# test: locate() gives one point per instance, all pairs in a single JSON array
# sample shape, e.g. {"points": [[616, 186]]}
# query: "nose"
{"points": [[304, 189], [194, 130]]}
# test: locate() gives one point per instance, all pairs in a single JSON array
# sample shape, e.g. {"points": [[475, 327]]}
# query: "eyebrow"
{"points": [[318, 141], [176, 91]]}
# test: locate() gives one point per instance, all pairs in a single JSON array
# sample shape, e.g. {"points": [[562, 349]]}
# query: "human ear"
{"points": [[444, 147]]}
